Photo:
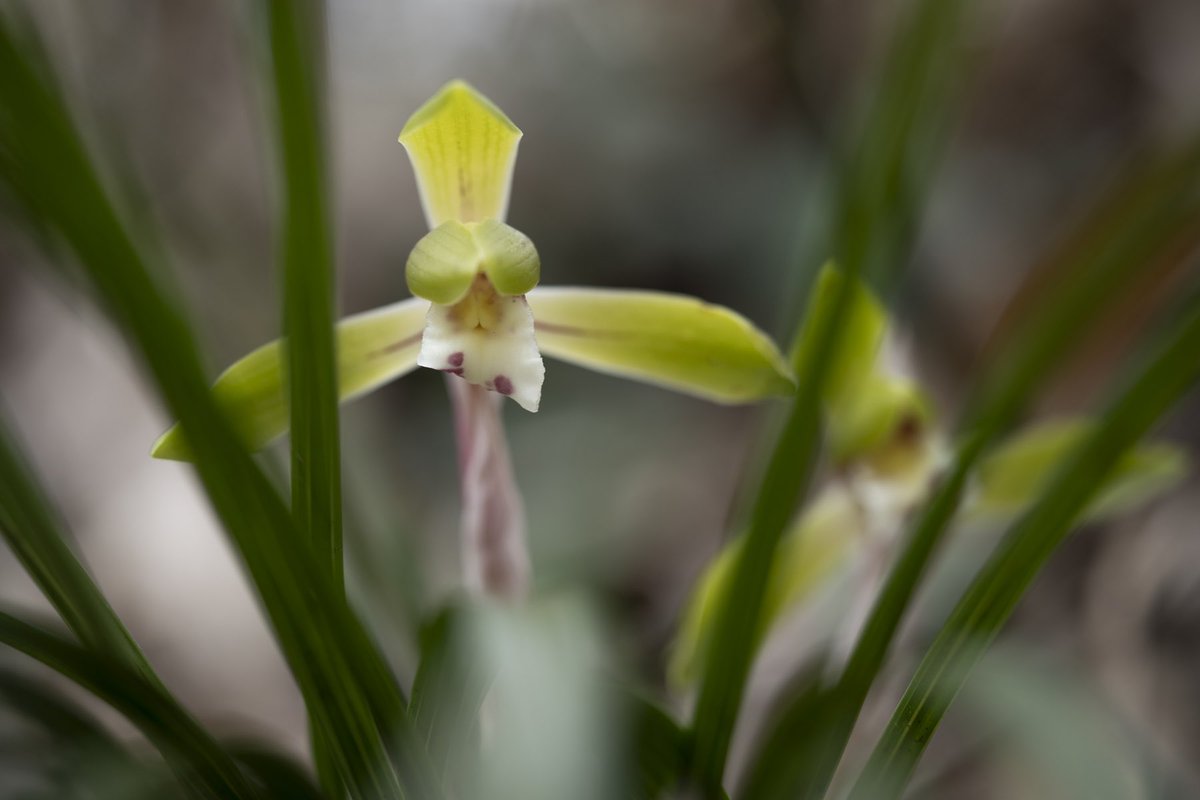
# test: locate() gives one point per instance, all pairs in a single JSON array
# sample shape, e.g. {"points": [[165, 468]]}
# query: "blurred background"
{"points": [[683, 146]]}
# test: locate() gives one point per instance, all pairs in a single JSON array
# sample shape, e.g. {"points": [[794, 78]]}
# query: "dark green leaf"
{"points": [[886, 170], [279, 776], [70, 725], [790, 745], [297, 54], [349, 690], [728, 657], [659, 747], [212, 772], [297, 50], [32, 530]]}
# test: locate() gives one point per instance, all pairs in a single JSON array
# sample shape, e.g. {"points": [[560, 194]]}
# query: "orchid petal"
{"points": [[670, 340], [373, 348], [462, 150], [1017, 471], [509, 258], [443, 264]]}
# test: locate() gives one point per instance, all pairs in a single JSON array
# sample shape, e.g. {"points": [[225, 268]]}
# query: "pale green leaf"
{"points": [[670, 340], [373, 348], [462, 149], [1020, 468]]}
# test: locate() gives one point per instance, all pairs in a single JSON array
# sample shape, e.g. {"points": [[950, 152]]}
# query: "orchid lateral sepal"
{"points": [[373, 348]]}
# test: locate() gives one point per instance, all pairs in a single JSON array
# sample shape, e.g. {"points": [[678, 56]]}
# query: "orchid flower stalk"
{"points": [[477, 316]]}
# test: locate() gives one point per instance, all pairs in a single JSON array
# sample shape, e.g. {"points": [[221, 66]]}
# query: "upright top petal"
{"points": [[462, 148]]}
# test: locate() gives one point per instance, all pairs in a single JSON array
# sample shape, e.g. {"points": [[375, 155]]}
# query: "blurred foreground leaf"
{"points": [[549, 718], [212, 772], [448, 693], [279, 775], [347, 686], [74, 729], [659, 748], [32, 530], [297, 47]]}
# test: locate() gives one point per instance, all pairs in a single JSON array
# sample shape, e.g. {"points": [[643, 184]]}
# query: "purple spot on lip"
{"points": [[456, 371], [503, 385], [456, 359]]}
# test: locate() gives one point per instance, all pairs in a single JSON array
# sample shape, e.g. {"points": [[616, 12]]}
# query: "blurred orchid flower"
{"points": [[477, 316], [887, 450]]}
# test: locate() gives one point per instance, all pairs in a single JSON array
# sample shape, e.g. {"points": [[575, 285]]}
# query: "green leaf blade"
{"points": [[297, 50], [342, 675], [147, 706]]}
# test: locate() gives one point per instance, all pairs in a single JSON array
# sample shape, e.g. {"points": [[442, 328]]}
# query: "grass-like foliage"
{"points": [[511, 699]]}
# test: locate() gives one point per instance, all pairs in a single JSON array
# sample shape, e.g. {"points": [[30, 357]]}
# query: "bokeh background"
{"points": [[675, 145]]}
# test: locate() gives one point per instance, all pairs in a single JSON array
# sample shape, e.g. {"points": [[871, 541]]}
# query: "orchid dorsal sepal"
{"points": [[860, 338], [445, 262], [1012, 476], [373, 348], [462, 149], [871, 412]]}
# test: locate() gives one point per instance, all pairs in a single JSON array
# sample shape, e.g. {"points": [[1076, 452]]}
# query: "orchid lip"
{"points": [[486, 339]]}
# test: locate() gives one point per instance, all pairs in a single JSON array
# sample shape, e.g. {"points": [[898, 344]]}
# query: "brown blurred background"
{"points": [[671, 145]]}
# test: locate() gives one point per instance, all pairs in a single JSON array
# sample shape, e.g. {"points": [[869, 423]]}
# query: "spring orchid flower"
{"points": [[477, 316], [887, 449]]}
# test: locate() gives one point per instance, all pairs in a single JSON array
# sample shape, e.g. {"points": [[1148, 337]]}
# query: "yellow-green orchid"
{"points": [[887, 450], [476, 313]]}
